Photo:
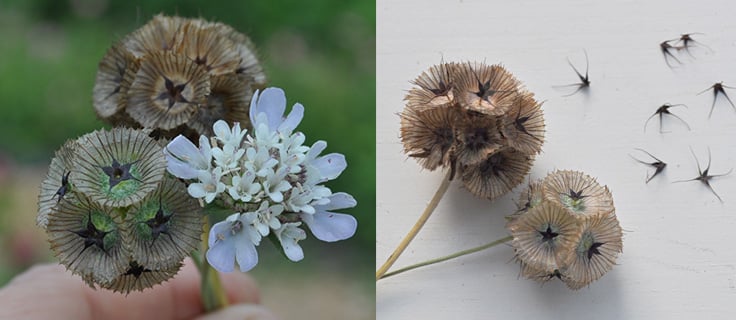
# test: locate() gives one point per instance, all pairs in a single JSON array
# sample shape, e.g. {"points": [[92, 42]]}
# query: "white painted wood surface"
{"points": [[679, 257]]}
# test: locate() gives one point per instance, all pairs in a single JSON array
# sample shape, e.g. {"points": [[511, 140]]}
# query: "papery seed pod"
{"points": [[578, 192], [167, 90], [498, 174], [114, 77], [541, 275], [87, 239], [206, 47], [249, 65], [118, 167], [486, 89], [228, 100], [477, 137], [138, 277], [428, 135], [165, 227], [523, 125], [544, 236], [162, 33], [529, 198], [57, 186], [595, 251], [434, 88]]}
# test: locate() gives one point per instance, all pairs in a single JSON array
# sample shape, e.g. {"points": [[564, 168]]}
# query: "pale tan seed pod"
{"points": [[540, 275], [115, 74], [523, 124], [87, 240], [578, 192], [477, 137], [119, 167], [138, 278], [162, 33], [208, 48], [595, 251], [165, 227], [497, 175], [544, 236], [428, 135], [529, 198], [486, 89], [57, 186], [228, 100], [249, 64], [433, 88], [167, 90]]}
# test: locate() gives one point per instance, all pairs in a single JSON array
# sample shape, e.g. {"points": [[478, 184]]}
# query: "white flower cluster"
{"points": [[271, 180]]}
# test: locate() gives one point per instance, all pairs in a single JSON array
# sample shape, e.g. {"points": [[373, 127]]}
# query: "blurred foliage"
{"points": [[321, 52]]}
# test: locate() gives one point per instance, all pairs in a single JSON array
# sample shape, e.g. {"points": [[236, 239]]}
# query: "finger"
{"points": [[240, 312], [67, 296]]}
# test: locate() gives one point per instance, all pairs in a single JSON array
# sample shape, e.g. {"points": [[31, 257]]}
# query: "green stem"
{"points": [[417, 226], [212, 291], [448, 257]]}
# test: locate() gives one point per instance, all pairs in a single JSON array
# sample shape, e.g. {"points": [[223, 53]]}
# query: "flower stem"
{"points": [[212, 291], [448, 257], [417, 226]]}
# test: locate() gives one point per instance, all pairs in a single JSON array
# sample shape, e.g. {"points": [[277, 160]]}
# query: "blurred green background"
{"points": [[321, 52]]}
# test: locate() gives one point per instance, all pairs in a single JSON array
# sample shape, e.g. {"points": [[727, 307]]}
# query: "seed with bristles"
{"points": [[57, 186], [595, 251], [497, 174], [578, 192]]}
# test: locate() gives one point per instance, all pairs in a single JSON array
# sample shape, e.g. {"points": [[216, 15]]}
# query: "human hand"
{"points": [[48, 291]]}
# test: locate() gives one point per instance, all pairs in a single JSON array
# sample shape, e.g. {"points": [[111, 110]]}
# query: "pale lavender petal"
{"points": [[340, 200], [221, 129], [245, 253], [272, 102], [182, 148], [180, 169], [293, 119], [330, 166], [316, 149], [221, 256], [196, 190], [329, 226]]}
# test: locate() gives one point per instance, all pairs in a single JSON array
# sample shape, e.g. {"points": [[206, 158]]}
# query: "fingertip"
{"points": [[240, 312], [240, 288]]}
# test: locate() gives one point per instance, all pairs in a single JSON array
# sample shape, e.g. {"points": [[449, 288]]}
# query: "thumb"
{"points": [[240, 312]]}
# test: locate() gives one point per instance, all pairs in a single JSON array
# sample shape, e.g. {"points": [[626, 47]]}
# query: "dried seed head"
{"points": [[578, 192], [544, 237], [474, 118], [428, 135], [486, 89], [114, 77], [118, 167], [57, 186], [523, 125], [206, 47], [228, 100], [162, 33], [87, 240], [434, 88], [597, 236], [595, 250], [167, 91], [175, 75], [138, 277], [165, 227], [498, 174], [477, 138]]}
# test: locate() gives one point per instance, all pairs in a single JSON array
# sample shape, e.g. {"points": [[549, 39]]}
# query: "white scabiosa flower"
{"points": [[270, 178]]}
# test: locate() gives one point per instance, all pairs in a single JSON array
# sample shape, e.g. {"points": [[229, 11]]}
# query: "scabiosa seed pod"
{"points": [[165, 227], [137, 278], [56, 186], [476, 119], [544, 237], [177, 76], [597, 240], [497, 174], [87, 239], [578, 192], [117, 167], [486, 89]]}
